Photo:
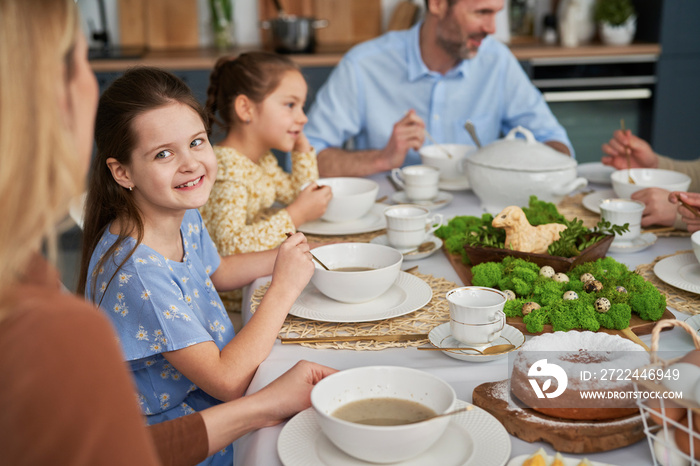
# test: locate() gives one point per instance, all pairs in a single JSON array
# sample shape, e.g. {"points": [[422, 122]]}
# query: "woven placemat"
{"points": [[572, 207], [431, 315], [357, 238], [680, 300]]}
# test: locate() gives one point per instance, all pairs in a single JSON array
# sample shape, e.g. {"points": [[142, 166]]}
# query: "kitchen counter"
{"points": [[204, 58]]}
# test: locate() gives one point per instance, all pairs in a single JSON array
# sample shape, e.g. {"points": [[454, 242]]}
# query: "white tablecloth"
{"points": [[260, 447]]}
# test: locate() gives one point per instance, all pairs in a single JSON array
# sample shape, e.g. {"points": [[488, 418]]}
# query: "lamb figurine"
{"points": [[521, 236]]}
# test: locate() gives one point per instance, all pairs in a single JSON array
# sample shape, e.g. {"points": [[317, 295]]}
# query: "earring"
{"points": [[131, 188], [247, 121]]}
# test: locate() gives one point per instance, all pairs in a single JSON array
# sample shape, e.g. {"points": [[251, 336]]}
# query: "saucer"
{"points": [[437, 242], [442, 337], [640, 243], [681, 271], [456, 184], [472, 438], [592, 201], [373, 221], [595, 172], [408, 293], [438, 202]]}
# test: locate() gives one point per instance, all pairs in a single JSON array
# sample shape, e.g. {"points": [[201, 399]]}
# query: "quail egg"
{"points": [[529, 307], [561, 277], [510, 295], [593, 286], [547, 271], [586, 277], [621, 289], [570, 295], [602, 305]]}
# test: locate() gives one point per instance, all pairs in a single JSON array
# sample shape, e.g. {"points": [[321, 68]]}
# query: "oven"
{"points": [[590, 95]]}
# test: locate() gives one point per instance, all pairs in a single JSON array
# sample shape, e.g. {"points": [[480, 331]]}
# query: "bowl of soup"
{"points": [[448, 158], [359, 272], [647, 178], [377, 413], [352, 198]]}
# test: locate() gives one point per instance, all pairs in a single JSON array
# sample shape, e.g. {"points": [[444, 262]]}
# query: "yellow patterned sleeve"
{"points": [[225, 215], [304, 169]]}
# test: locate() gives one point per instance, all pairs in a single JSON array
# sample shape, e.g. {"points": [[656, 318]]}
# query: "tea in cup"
{"points": [[409, 225], [476, 314], [621, 211], [420, 182]]}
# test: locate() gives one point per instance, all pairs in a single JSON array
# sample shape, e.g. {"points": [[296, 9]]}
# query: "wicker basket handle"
{"points": [[668, 323]]}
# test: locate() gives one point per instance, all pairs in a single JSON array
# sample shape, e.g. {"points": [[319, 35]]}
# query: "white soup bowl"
{"points": [[356, 287], [352, 198], [647, 178], [451, 168], [382, 444]]}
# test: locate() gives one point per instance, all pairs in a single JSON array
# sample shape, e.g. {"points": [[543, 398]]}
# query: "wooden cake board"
{"points": [[566, 436]]}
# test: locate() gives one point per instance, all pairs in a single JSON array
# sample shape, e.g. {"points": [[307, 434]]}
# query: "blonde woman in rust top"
{"points": [[68, 398]]}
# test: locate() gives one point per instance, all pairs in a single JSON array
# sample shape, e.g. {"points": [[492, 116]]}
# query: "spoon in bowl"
{"points": [[630, 180], [423, 247], [469, 126], [436, 143], [456, 411], [496, 349], [312, 255]]}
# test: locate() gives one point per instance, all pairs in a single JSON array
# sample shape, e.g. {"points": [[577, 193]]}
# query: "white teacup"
{"points": [[420, 182], [475, 304], [409, 225], [621, 211], [478, 334], [695, 239]]}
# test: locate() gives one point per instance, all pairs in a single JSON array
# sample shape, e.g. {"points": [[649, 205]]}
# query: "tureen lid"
{"points": [[519, 154]]}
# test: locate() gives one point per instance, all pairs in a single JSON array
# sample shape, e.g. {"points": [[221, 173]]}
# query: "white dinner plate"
{"points": [[592, 201], [456, 184], [442, 337], [407, 294], [681, 271], [373, 221], [640, 243], [568, 461], [595, 172], [440, 201], [472, 438], [437, 244]]}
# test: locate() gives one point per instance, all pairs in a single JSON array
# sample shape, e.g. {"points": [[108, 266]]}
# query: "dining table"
{"points": [[260, 447]]}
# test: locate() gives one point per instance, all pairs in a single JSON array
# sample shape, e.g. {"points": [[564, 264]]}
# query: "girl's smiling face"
{"points": [[173, 166], [281, 115]]}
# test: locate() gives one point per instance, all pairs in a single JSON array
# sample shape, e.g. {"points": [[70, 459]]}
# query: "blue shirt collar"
{"points": [[417, 67]]}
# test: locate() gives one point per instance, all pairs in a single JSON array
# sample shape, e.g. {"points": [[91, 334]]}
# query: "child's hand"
{"points": [[293, 267], [302, 144], [310, 204]]}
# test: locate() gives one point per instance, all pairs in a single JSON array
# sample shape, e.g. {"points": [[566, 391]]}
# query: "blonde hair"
{"points": [[41, 170]]}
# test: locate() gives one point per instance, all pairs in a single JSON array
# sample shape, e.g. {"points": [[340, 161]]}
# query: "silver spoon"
{"points": [[460, 410], [436, 143], [312, 256], [469, 126], [423, 247]]}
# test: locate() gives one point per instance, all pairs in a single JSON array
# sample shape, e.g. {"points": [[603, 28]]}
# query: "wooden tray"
{"points": [[477, 255], [638, 325], [564, 435]]}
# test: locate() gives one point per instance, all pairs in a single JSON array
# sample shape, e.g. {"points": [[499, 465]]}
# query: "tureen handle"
{"points": [[524, 131]]}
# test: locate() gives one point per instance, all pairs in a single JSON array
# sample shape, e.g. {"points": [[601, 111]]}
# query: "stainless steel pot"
{"points": [[294, 34]]}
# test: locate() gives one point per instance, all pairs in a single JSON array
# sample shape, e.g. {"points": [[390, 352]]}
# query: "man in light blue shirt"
{"points": [[444, 71]]}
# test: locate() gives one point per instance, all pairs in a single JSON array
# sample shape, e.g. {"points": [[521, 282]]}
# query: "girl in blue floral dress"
{"points": [[149, 263]]}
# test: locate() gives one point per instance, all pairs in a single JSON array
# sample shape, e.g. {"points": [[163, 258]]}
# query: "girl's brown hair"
{"points": [[253, 74], [137, 91]]}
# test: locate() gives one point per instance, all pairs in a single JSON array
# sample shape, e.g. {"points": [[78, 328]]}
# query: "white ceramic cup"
{"points": [[476, 314], [621, 211], [478, 334], [419, 182], [409, 225], [475, 304]]}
